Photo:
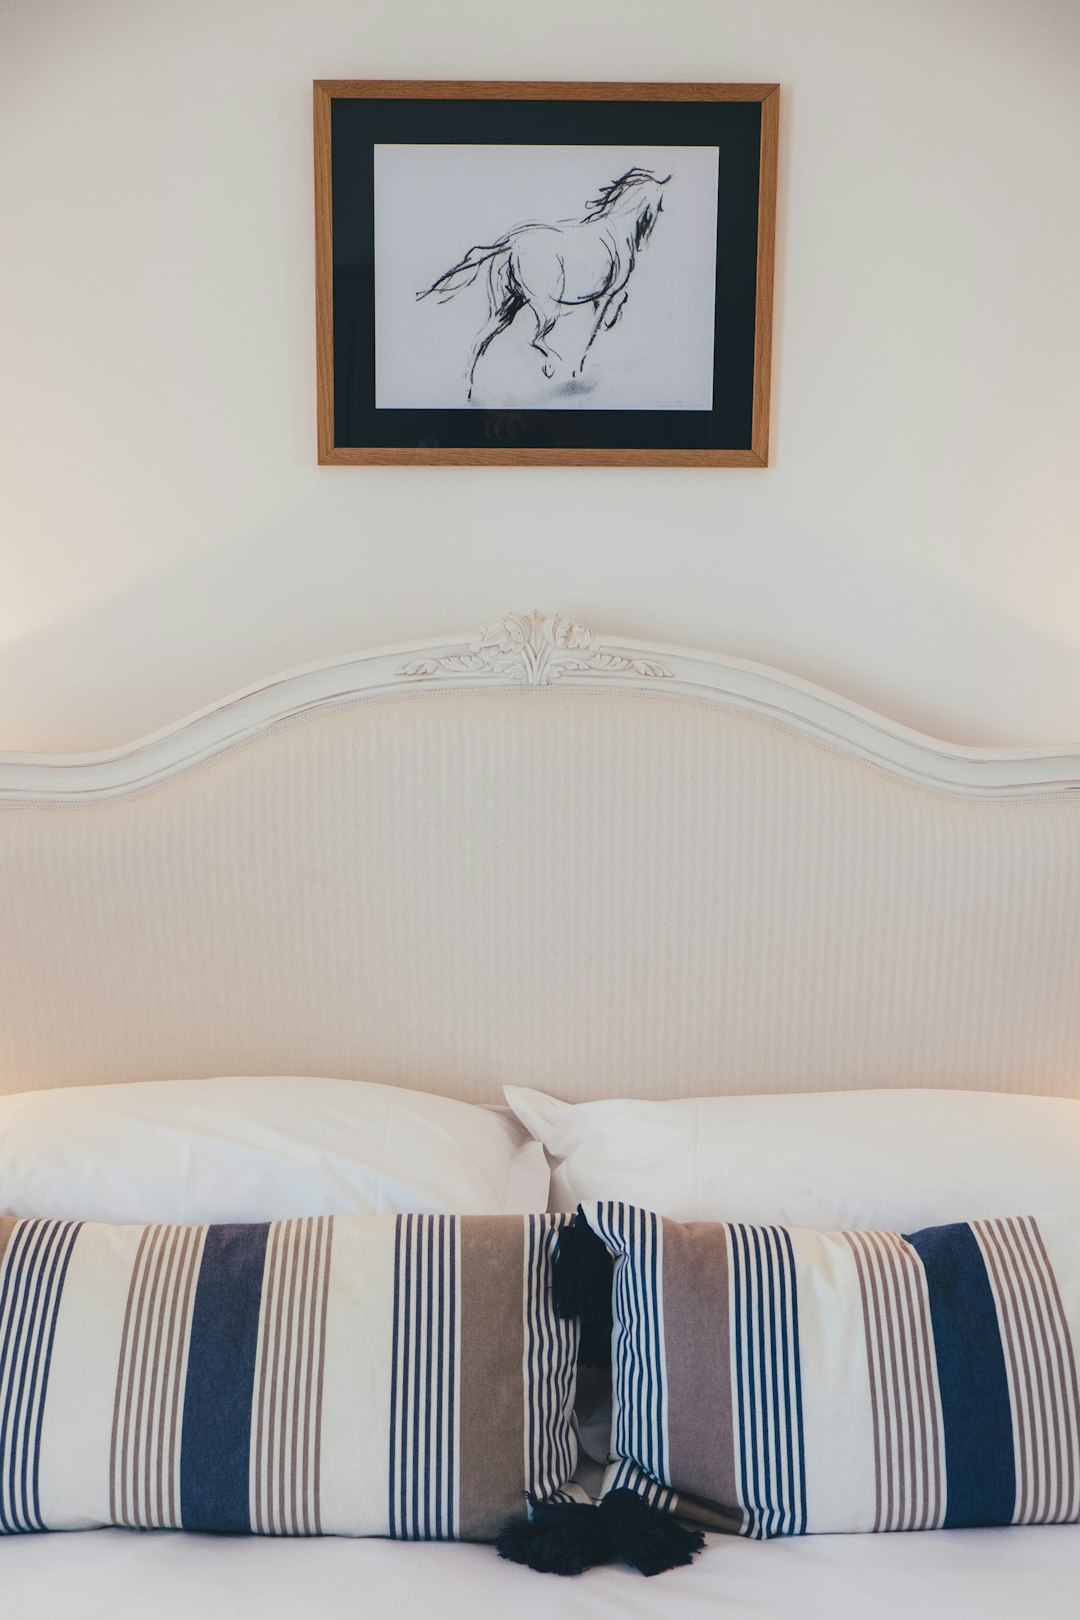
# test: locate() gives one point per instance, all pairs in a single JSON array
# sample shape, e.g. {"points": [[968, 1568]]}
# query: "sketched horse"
{"points": [[553, 269]]}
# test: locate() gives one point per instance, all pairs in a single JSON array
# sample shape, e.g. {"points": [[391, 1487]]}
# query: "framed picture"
{"points": [[544, 273]]}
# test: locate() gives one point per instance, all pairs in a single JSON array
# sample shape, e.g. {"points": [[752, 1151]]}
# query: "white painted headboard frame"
{"points": [[534, 854], [535, 650]]}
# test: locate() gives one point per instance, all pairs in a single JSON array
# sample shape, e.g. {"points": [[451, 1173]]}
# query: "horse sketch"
{"points": [[554, 269]]}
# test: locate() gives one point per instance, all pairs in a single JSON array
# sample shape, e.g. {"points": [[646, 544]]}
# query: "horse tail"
{"points": [[464, 273]]}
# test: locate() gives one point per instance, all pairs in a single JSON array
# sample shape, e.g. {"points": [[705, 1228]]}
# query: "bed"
{"points": [[591, 865]]}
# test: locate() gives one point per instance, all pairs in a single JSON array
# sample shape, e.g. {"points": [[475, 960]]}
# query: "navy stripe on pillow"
{"points": [[975, 1407], [215, 1492], [29, 1301]]}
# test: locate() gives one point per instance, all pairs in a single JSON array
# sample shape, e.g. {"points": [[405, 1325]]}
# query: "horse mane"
{"points": [[603, 204]]}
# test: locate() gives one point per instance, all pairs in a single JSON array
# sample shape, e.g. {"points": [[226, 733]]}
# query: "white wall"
{"points": [[166, 536]]}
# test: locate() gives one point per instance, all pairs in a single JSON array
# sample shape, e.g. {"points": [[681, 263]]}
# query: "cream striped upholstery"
{"points": [[591, 892]]}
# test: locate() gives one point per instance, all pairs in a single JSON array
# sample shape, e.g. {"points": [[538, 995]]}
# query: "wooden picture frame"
{"points": [[412, 180]]}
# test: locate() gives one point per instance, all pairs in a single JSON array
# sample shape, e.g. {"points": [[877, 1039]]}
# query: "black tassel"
{"points": [[567, 1538], [646, 1538], [581, 1287], [561, 1538]]}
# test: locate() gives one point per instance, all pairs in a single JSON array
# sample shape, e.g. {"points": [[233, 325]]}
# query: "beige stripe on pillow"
{"points": [[7, 1226], [492, 1401], [700, 1433]]}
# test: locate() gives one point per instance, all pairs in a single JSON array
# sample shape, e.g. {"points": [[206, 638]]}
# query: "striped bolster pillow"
{"points": [[772, 1381], [340, 1375]]}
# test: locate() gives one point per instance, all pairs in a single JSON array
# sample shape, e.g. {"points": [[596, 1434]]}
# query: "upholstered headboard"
{"points": [[538, 856]]}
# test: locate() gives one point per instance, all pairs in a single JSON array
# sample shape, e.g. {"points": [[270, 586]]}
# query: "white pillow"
{"points": [[260, 1149], [840, 1160]]}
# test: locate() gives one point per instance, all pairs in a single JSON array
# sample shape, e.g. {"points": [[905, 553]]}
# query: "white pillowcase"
{"points": [[259, 1149], [842, 1160]]}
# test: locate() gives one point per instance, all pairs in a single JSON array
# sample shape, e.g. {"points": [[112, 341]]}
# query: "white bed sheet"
{"points": [[125, 1575]]}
